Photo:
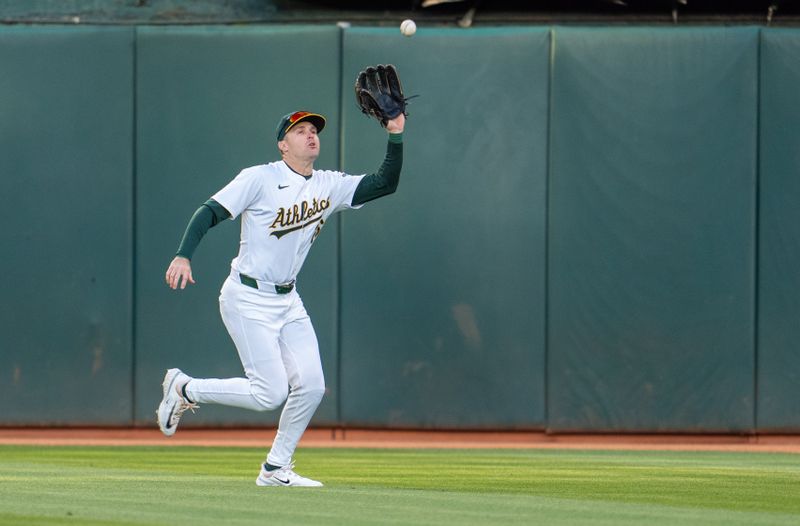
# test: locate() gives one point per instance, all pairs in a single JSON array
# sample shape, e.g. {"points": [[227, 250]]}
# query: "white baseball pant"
{"points": [[280, 355]]}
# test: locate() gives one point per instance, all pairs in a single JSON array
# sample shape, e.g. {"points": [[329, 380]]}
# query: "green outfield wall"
{"points": [[595, 228]]}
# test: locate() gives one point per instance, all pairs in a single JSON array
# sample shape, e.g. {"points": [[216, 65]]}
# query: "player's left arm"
{"points": [[386, 179]]}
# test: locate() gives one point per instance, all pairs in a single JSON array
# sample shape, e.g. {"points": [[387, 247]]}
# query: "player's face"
{"points": [[302, 141]]}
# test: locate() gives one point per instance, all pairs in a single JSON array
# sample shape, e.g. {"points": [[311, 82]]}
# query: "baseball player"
{"points": [[283, 205]]}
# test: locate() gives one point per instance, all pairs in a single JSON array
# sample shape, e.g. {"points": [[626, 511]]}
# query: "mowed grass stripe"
{"points": [[147, 485]]}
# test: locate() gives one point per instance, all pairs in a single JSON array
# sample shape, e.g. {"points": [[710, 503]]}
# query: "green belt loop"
{"points": [[284, 289], [247, 280]]}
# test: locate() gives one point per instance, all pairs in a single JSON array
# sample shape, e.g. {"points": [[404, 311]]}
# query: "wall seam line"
{"points": [[548, 175], [756, 228], [134, 231], [337, 313]]}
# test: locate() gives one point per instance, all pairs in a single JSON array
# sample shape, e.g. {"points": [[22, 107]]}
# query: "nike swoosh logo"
{"points": [[282, 481], [168, 425], [282, 187]]}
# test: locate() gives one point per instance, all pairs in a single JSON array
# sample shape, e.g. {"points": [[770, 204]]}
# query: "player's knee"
{"points": [[269, 399], [314, 391], [316, 394]]}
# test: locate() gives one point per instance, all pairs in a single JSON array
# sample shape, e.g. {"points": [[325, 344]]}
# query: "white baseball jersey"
{"points": [[282, 213]]}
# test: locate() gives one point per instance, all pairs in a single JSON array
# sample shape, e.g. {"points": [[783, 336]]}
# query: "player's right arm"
{"points": [[210, 214]]}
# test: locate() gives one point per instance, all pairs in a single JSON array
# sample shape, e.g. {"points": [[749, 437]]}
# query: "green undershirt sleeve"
{"points": [[386, 179], [209, 214]]}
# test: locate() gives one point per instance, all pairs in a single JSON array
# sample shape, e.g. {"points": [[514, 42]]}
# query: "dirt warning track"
{"points": [[366, 438]]}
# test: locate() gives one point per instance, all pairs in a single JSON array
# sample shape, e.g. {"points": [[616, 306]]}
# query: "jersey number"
{"points": [[317, 230]]}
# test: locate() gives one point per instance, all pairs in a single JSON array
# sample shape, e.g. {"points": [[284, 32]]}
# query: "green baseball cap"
{"points": [[290, 119]]}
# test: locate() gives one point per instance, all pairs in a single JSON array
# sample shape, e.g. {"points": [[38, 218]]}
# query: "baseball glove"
{"points": [[379, 93]]}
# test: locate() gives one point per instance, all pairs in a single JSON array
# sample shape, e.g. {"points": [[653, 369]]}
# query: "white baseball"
{"points": [[408, 27]]}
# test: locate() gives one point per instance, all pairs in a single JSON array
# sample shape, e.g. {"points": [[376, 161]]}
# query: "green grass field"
{"points": [[216, 486]]}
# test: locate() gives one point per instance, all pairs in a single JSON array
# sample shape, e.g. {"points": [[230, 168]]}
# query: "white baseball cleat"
{"points": [[284, 477], [173, 405]]}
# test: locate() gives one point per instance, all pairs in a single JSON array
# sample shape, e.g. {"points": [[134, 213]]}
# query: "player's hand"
{"points": [[179, 273], [397, 124]]}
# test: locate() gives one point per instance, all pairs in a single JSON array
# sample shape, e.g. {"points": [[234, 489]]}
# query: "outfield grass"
{"points": [[195, 486]]}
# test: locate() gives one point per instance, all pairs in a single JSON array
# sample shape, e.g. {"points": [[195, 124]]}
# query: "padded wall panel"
{"points": [[652, 229], [208, 102], [779, 234], [443, 282], [66, 121]]}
